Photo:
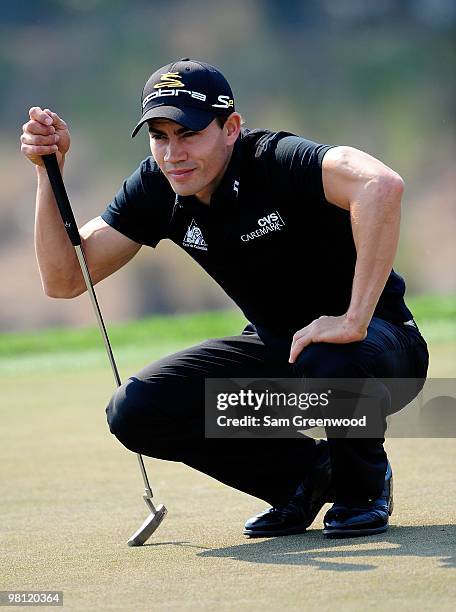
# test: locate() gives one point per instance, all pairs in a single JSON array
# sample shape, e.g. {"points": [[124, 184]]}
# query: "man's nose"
{"points": [[175, 152]]}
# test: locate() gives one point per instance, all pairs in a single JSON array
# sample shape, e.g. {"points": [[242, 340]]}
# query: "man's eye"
{"points": [[156, 136], [188, 134]]}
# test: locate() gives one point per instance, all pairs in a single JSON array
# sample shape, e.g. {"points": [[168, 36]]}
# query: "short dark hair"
{"points": [[221, 120]]}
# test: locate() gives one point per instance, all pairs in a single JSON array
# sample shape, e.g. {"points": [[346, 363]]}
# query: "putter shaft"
{"points": [[93, 298], [66, 212], [96, 307]]}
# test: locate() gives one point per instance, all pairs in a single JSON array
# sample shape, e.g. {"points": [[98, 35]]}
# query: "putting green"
{"points": [[71, 497]]}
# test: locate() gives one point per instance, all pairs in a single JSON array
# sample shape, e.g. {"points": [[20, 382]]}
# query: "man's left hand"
{"points": [[337, 330]]}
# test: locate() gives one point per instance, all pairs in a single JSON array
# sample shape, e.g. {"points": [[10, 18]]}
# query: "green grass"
{"points": [[440, 310], [72, 495], [71, 498], [138, 342], [153, 330], [425, 307]]}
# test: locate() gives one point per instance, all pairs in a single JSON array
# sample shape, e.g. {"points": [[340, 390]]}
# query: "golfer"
{"points": [[302, 236]]}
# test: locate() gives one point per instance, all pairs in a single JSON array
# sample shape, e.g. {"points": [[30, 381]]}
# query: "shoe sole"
{"points": [[353, 533], [273, 534]]}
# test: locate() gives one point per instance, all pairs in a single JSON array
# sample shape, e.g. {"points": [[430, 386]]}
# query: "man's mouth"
{"points": [[181, 174]]}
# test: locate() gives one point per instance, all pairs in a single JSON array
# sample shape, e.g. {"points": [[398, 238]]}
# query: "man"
{"points": [[302, 237]]}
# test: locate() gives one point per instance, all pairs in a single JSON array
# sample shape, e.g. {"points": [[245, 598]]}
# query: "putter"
{"points": [[55, 178]]}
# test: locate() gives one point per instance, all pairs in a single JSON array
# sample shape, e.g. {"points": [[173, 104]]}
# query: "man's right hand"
{"points": [[43, 134]]}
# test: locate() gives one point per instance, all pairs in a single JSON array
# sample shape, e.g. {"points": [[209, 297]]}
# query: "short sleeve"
{"points": [[301, 161], [142, 207]]}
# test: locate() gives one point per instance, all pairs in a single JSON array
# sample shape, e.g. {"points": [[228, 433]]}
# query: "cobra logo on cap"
{"points": [[169, 79]]}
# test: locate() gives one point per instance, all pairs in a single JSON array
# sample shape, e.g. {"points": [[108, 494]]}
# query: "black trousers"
{"points": [[159, 412]]}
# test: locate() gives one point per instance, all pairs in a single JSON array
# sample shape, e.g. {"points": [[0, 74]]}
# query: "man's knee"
{"points": [[143, 421], [134, 416], [127, 407]]}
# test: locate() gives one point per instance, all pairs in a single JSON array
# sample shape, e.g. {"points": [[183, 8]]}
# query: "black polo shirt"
{"points": [[269, 237]]}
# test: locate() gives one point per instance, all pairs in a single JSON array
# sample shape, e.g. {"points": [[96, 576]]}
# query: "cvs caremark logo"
{"points": [[269, 223], [272, 218]]}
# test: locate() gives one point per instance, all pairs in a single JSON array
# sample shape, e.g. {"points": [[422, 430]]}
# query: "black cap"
{"points": [[189, 92]]}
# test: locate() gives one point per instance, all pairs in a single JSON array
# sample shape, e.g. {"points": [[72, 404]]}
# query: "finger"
{"points": [[38, 114], [300, 333], [57, 121], [294, 353], [35, 140], [308, 329], [298, 346], [30, 150], [294, 348], [35, 127]]}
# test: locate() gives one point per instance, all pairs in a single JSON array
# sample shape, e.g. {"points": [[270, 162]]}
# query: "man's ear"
{"points": [[232, 127]]}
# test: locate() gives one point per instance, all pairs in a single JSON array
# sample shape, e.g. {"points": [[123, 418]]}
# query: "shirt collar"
{"points": [[228, 189]]}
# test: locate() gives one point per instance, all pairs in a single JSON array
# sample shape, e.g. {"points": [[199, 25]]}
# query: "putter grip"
{"points": [[58, 187]]}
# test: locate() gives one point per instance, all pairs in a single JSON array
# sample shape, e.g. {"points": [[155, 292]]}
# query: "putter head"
{"points": [[148, 527]]}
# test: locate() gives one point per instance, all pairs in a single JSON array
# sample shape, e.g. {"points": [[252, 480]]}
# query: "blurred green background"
{"points": [[375, 75]]}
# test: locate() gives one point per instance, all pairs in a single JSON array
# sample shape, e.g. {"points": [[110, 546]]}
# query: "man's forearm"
{"points": [[375, 217], [57, 261]]}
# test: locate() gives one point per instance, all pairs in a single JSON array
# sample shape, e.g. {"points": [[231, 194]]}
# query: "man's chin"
{"points": [[183, 191], [181, 188]]}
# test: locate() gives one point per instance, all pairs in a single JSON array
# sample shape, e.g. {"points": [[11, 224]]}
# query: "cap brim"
{"points": [[192, 118]]}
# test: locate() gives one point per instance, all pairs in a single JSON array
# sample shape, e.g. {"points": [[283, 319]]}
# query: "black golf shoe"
{"points": [[300, 511], [350, 520]]}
